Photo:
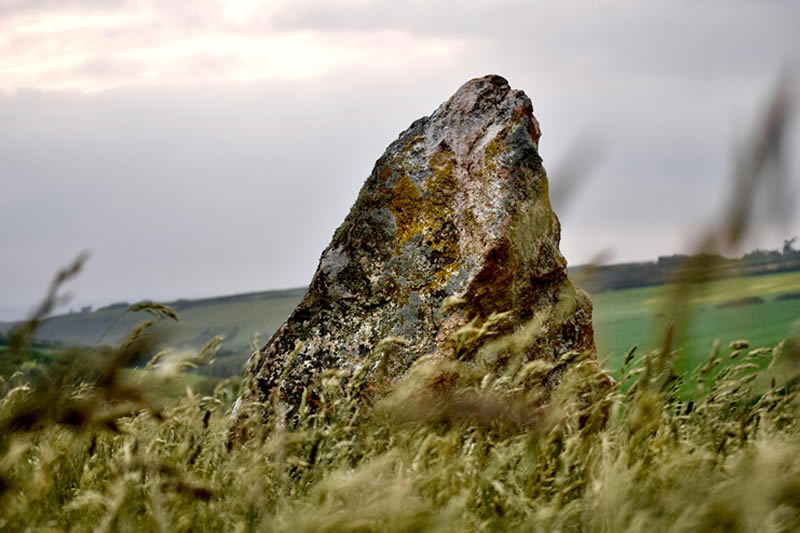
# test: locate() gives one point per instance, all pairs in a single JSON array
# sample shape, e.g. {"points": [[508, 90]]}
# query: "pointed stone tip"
{"points": [[494, 79], [492, 82], [474, 107]]}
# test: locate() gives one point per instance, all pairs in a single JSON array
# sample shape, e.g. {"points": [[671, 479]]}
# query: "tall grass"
{"points": [[457, 445], [472, 443]]}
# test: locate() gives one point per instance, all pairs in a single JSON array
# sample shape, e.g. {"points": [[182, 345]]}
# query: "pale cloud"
{"points": [[85, 49], [61, 45]]}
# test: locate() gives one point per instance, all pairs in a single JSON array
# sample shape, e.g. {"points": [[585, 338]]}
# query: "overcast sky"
{"points": [[212, 147]]}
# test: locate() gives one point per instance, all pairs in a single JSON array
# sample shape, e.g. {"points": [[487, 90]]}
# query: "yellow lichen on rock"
{"points": [[492, 150], [427, 212], [405, 206]]}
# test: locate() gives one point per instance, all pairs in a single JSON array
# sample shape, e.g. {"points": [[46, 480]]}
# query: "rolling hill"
{"points": [[238, 317], [764, 311]]}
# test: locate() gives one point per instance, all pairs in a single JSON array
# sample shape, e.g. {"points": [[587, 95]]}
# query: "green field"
{"points": [[622, 318], [146, 448], [118, 449], [634, 316]]}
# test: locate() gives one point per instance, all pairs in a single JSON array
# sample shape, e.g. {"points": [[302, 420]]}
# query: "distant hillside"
{"points": [[237, 317], [650, 273]]}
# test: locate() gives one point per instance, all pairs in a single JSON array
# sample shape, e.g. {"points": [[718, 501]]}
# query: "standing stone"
{"points": [[456, 209]]}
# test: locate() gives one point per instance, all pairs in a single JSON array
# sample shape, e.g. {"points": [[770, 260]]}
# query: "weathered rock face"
{"points": [[456, 207]]}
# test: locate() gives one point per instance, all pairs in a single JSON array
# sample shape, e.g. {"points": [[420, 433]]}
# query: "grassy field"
{"points": [[117, 451], [95, 445], [635, 317], [621, 319], [115, 438]]}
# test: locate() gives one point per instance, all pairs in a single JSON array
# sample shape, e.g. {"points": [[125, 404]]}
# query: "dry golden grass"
{"points": [[88, 447]]}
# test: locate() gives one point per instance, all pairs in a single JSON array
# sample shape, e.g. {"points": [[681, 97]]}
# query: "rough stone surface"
{"points": [[457, 207]]}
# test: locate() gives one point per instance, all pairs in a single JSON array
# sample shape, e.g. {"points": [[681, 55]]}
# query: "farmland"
{"points": [[622, 318], [146, 448], [120, 451], [635, 316]]}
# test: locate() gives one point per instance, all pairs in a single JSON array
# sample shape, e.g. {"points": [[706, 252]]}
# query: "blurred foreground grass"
{"points": [[92, 445], [96, 446]]}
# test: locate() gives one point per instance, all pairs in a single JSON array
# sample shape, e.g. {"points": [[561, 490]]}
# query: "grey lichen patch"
{"points": [[333, 262]]}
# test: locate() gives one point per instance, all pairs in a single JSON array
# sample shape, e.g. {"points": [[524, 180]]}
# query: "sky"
{"points": [[212, 147]]}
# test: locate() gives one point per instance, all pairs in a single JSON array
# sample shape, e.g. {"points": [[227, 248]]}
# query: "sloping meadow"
{"points": [[457, 445], [473, 442]]}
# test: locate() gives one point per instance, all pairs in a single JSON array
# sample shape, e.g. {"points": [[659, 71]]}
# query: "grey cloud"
{"points": [[468, 18], [15, 7], [687, 38]]}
